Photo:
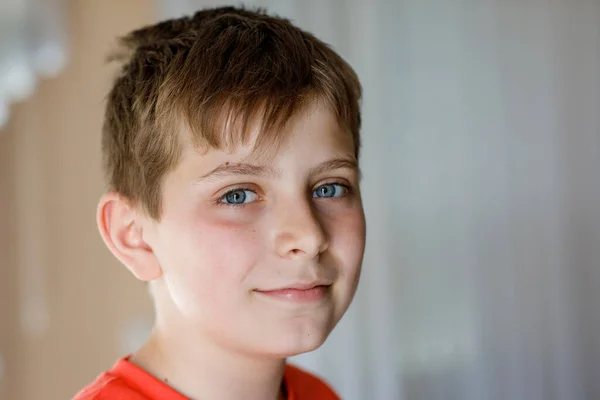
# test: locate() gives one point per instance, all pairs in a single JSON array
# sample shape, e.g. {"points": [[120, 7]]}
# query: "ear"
{"points": [[121, 228]]}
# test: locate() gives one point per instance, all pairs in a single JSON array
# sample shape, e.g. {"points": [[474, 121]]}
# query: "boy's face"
{"points": [[264, 256]]}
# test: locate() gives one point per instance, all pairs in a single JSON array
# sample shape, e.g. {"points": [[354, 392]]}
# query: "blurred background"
{"points": [[481, 165]]}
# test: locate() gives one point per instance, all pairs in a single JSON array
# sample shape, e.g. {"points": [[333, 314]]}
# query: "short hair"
{"points": [[208, 72]]}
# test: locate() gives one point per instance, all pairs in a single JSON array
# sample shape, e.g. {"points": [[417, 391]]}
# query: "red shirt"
{"points": [[127, 381]]}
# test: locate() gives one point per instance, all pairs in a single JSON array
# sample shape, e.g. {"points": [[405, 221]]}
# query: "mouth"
{"points": [[299, 293]]}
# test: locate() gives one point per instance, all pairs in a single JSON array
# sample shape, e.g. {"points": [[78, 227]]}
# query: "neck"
{"points": [[200, 369]]}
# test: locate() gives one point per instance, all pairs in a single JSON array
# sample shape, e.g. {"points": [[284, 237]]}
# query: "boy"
{"points": [[231, 145]]}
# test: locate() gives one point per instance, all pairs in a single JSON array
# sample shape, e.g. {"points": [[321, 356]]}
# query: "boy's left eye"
{"points": [[330, 190]]}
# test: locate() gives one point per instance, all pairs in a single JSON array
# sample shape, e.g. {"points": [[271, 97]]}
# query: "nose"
{"points": [[299, 233]]}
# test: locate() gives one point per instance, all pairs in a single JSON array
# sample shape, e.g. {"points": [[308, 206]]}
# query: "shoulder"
{"points": [[108, 387], [307, 386]]}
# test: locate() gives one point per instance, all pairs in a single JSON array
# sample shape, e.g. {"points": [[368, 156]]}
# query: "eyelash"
{"points": [[221, 200], [345, 186]]}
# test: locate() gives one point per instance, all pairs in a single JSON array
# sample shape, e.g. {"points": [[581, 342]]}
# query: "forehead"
{"points": [[310, 139], [315, 125]]}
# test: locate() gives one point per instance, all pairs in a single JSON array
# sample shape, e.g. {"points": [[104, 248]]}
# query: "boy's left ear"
{"points": [[122, 229]]}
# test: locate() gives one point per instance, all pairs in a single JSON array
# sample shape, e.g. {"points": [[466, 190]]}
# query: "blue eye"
{"points": [[239, 196], [330, 190]]}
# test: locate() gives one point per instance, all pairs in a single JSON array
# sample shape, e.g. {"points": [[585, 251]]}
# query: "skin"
{"points": [[210, 262]]}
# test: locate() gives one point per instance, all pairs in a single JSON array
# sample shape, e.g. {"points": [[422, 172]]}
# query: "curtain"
{"points": [[481, 166], [32, 45]]}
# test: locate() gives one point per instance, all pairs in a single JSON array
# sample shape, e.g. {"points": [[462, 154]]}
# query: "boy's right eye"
{"points": [[238, 197]]}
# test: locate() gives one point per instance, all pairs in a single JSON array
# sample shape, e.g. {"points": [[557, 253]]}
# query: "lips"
{"points": [[299, 292]]}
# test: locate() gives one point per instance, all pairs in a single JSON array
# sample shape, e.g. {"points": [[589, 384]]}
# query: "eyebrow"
{"points": [[232, 169], [336, 163], [245, 169]]}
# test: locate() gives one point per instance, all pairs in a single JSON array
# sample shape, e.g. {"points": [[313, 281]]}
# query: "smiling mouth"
{"points": [[302, 294]]}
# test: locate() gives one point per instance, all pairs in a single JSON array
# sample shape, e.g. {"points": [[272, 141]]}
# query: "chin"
{"points": [[290, 344]]}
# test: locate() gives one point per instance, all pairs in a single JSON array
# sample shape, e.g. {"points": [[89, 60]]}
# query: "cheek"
{"points": [[208, 257], [346, 232]]}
